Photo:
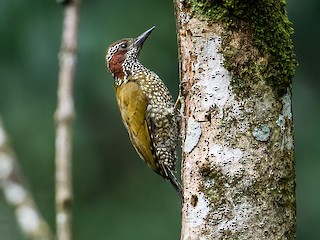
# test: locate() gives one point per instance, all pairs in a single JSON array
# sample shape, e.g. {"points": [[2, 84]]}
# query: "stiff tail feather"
{"points": [[177, 186], [169, 175]]}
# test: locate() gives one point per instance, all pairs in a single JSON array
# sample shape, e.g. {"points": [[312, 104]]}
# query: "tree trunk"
{"points": [[238, 172]]}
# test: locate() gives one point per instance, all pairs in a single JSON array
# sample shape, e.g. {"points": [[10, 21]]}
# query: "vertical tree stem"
{"points": [[64, 117]]}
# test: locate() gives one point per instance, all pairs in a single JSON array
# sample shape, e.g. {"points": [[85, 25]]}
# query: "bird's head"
{"points": [[124, 53]]}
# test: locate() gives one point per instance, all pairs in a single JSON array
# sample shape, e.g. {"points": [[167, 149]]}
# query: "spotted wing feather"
{"points": [[165, 158]]}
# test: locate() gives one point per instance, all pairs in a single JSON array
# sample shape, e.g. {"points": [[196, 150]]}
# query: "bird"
{"points": [[146, 106]]}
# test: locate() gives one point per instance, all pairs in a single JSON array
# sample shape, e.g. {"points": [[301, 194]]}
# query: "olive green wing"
{"points": [[133, 104]]}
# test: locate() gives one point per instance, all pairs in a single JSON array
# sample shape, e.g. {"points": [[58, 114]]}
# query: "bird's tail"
{"points": [[175, 183], [169, 175]]}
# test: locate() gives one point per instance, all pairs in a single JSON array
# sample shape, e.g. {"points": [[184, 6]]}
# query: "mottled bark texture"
{"points": [[238, 165]]}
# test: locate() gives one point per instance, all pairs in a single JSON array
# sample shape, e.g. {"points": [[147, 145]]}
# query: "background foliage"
{"points": [[116, 195]]}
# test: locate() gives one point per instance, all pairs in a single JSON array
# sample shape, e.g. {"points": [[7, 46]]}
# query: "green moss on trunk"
{"points": [[257, 40]]}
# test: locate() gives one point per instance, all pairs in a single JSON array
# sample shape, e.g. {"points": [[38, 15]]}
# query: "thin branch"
{"points": [[17, 194], [64, 117]]}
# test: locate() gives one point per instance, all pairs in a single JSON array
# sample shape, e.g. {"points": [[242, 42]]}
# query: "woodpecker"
{"points": [[146, 106]]}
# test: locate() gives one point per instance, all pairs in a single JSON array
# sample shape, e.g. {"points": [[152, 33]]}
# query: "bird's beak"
{"points": [[140, 40]]}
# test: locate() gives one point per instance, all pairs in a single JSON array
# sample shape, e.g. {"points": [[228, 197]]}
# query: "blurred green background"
{"points": [[116, 195]]}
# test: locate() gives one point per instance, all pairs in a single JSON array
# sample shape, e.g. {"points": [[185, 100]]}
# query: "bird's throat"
{"points": [[115, 66]]}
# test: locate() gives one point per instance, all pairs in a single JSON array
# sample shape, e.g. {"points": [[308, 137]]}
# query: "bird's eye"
{"points": [[123, 46]]}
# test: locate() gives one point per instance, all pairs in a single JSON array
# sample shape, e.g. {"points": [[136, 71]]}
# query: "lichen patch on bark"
{"points": [[261, 132], [192, 136], [229, 157], [256, 40], [198, 212]]}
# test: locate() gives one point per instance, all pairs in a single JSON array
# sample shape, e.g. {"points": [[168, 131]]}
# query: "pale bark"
{"points": [[18, 195], [64, 117], [238, 166]]}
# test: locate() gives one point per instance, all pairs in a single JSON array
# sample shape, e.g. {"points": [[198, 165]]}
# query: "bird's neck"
{"points": [[128, 68]]}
